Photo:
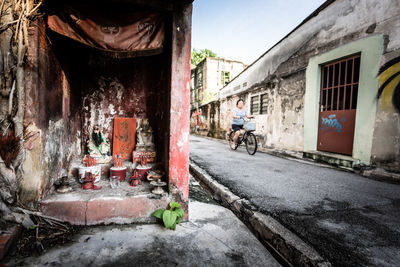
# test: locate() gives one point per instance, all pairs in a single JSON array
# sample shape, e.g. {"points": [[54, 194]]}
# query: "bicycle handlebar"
{"points": [[245, 118]]}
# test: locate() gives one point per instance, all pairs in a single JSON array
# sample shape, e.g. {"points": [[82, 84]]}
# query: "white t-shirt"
{"points": [[241, 113]]}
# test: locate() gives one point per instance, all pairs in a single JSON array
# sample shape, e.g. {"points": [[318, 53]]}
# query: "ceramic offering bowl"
{"points": [[142, 171], [119, 171], [95, 170], [158, 187], [154, 175]]}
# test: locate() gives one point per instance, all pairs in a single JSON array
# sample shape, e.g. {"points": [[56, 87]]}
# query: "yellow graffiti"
{"points": [[387, 94]]}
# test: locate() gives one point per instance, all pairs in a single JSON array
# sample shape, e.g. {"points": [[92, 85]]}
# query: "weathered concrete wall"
{"points": [[180, 103], [386, 137], [281, 74], [43, 117]]}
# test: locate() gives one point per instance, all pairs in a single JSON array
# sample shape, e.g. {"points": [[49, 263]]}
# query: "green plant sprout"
{"points": [[172, 216]]}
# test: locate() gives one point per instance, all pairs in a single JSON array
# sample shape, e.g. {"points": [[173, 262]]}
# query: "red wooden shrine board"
{"points": [[124, 137]]}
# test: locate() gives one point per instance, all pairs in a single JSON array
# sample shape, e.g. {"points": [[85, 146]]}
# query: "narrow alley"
{"points": [[347, 218]]}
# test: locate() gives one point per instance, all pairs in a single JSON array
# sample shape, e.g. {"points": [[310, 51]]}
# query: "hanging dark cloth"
{"points": [[121, 34]]}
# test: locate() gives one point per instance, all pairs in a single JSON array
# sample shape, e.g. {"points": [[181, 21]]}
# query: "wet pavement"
{"points": [[213, 236], [197, 192], [347, 218]]}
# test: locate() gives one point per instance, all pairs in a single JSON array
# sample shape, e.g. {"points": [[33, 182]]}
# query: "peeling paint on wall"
{"points": [[53, 157], [32, 166]]}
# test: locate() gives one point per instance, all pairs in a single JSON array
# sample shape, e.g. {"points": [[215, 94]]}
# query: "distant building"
{"points": [[208, 78]]}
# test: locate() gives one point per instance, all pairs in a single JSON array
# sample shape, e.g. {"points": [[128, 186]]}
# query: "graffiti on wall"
{"points": [[331, 124], [389, 80]]}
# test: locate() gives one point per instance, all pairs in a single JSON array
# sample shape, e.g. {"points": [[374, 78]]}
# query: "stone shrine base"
{"points": [[122, 205]]}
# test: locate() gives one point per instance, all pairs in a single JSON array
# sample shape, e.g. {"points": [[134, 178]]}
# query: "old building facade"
{"points": [[207, 79], [328, 89]]}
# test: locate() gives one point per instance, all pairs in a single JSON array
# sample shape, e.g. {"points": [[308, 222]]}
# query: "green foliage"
{"points": [[199, 55], [159, 213], [174, 205], [170, 217]]}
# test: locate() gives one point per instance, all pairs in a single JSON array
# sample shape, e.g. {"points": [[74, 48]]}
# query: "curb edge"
{"points": [[269, 231]]}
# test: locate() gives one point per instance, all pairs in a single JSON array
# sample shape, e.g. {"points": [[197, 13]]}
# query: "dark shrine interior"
{"points": [[92, 87]]}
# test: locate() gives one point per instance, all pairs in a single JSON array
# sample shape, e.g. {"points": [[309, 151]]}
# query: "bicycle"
{"points": [[248, 138]]}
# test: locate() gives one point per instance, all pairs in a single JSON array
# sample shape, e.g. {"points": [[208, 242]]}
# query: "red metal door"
{"points": [[338, 102]]}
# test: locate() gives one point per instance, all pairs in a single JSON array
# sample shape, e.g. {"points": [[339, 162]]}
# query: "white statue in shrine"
{"points": [[144, 136]]}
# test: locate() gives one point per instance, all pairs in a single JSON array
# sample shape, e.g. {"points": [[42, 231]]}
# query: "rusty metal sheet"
{"points": [[124, 35], [336, 131]]}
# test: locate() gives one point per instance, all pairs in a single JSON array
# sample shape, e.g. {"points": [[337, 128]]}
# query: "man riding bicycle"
{"points": [[239, 113]]}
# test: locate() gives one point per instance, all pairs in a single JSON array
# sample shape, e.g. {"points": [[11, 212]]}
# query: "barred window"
{"points": [[264, 104], [255, 104], [339, 84]]}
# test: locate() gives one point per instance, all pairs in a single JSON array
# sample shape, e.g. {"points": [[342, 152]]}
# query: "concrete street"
{"points": [[212, 237], [347, 218]]}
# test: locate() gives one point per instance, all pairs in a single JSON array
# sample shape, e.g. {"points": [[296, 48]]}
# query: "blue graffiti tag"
{"points": [[331, 124]]}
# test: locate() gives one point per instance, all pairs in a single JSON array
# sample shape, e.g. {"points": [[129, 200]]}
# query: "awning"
{"points": [[122, 34]]}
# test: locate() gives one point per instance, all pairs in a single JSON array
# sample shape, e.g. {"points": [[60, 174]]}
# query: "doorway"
{"points": [[338, 103]]}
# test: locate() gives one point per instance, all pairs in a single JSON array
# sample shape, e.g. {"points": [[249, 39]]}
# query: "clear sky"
{"points": [[245, 29]]}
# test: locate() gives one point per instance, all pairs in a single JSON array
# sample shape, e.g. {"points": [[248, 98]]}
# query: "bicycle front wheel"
{"points": [[251, 144]]}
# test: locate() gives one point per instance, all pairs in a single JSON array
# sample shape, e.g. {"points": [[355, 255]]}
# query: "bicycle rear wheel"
{"points": [[232, 133], [251, 144]]}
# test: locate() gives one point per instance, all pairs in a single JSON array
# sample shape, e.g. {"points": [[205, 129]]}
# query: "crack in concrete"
{"points": [[201, 229]]}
